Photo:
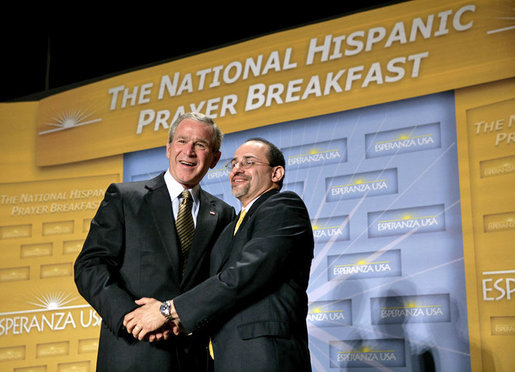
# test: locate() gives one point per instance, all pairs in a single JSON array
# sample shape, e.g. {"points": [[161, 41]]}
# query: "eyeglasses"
{"points": [[245, 163]]}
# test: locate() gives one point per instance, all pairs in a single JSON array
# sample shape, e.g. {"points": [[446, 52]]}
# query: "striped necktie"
{"points": [[184, 225]]}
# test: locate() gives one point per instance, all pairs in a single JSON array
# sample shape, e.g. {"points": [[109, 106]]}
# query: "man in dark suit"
{"points": [[254, 304], [133, 250]]}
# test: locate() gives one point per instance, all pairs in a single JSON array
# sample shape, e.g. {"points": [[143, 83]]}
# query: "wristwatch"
{"points": [[166, 309]]}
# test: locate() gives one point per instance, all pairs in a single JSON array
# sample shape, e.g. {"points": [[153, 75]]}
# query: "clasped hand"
{"points": [[147, 323]]}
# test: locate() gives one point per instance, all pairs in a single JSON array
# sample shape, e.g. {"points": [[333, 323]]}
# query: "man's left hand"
{"points": [[146, 319]]}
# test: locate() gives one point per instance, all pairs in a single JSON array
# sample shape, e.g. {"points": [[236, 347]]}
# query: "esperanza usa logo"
{"points": [[50, 313]]}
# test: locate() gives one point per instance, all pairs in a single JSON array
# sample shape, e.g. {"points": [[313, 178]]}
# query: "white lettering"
{"points": [[502, 288], [168, 86], [114, 91], [259, 95], [54, 321], [145, 118], [314, 48], [339, 46], [255, 97]]}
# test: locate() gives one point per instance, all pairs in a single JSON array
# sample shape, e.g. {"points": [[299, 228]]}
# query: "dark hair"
{"points": [[274, 156]]}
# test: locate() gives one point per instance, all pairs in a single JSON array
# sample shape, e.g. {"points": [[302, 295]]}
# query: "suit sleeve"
{"points": [[97, 274], [277, 229]]}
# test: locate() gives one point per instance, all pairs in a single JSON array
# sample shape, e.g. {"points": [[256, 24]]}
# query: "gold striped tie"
{"points": [[242, 216], [184, 225]]}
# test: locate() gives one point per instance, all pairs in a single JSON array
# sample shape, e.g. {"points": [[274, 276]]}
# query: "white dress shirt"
{"points": [[175, 190]]}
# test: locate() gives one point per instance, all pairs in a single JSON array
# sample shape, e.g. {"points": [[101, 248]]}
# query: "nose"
{"points": [[189, 148], [237, 168]]}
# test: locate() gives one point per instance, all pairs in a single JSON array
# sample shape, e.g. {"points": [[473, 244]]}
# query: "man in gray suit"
{"points": [[133, 250], [254, 305]]}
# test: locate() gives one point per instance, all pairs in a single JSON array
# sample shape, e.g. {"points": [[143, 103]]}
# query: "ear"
{"points": [[168, 150], [216, 157], [277, 174]]}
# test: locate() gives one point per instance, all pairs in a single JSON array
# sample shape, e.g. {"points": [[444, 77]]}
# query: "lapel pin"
{"points": [[212, 213]]}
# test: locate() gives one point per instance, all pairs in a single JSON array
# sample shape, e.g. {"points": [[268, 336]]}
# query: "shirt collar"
{"points": [[249, 205], [175, 188]]}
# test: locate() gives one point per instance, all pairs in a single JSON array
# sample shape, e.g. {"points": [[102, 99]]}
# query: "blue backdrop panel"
{"points": [[381, 183]]}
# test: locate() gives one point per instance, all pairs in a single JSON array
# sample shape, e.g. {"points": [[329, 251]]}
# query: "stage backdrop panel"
{"points": [[381, 186], [45, 325], [486, 122]]}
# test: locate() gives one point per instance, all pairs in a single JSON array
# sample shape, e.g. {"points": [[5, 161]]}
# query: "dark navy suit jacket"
{"points": [[132, 251], [255, 303]]}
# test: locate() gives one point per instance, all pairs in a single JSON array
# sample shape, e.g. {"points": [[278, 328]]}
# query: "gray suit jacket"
{"points": [[255, 303], [132, 251]]}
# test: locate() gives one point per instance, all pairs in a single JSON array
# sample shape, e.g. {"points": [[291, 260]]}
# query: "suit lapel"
{"points": [[222, 249], [254, 207], [161, 207], [226, 244]]}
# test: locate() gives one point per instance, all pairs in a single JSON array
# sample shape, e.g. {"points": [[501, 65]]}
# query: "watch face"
{"points": [[165, 308]]}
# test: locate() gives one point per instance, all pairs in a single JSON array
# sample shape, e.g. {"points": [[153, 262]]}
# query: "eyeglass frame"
{"points": [[246, 162]]}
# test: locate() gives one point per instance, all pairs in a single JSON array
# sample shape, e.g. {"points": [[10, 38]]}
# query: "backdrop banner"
{"points": [[397, 52]]}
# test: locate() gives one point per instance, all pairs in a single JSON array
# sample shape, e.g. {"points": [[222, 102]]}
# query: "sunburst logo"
{"points": [[408, 217], [50, 302], [507, 19], [307, 153], [410, 305], [318, 227], [53, 301], [313, 151], [70, 119], [366, 349]]}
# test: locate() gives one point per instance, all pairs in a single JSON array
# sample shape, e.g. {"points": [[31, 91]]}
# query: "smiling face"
{"points": [[248, 184], [190, 153]]}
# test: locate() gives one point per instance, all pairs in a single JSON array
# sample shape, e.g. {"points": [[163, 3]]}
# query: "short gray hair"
{"points": [[218, 135]]}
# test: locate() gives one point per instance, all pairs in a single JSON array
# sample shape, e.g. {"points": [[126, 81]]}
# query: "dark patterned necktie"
{"points": [[184, 225]]}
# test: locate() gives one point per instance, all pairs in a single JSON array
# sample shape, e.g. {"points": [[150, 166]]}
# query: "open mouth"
{"points": [[239, 179], [187, 163]]}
